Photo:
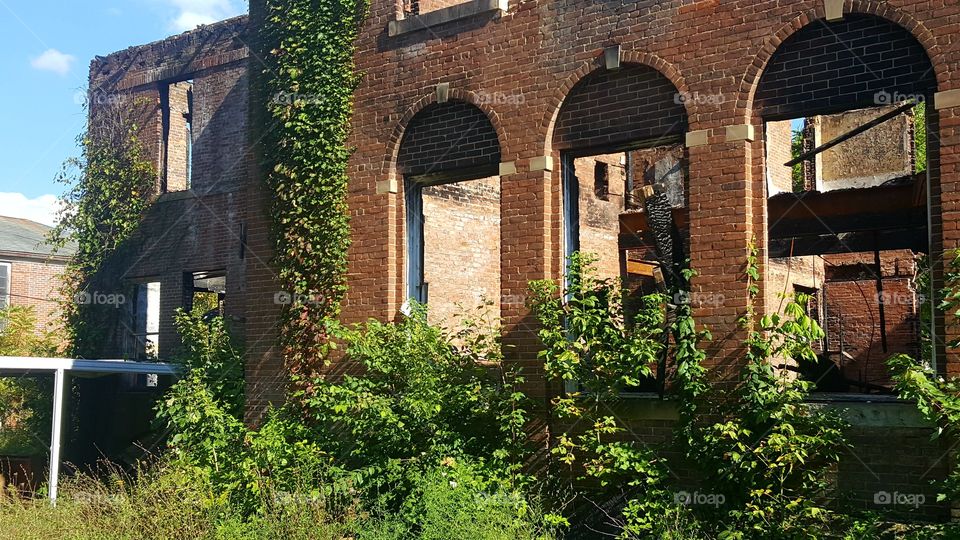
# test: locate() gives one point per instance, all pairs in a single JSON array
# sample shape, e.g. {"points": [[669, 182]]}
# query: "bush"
{"points": [[25, 402], [762, 455], [419, 396]]}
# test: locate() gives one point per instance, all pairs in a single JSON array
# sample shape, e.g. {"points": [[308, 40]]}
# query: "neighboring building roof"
{"points": [[23, 236]]}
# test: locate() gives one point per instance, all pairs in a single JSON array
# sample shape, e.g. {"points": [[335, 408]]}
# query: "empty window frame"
{"points": [[207, 292], [5, 281], [143, 325], [453, 246], [178, 135], [844, 151]]}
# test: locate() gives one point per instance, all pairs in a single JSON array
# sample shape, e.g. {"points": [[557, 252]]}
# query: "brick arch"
{"points": [[628, 59], [389, 165], [750, 82]]}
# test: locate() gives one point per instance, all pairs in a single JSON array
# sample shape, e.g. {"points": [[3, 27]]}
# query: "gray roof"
{"points": [[19, 235]]}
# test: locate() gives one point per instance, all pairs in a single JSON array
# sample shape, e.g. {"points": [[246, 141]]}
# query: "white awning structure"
{"points": [[62, 369]]}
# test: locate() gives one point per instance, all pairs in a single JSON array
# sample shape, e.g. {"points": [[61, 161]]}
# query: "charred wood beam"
{"points": [[887, 199], [832, 224], [914, 239]]}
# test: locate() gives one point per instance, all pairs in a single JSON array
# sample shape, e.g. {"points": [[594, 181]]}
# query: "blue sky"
{"points": [[47, 47]]}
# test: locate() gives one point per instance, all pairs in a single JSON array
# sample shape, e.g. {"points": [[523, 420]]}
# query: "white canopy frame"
{"points": [[63, 369]]}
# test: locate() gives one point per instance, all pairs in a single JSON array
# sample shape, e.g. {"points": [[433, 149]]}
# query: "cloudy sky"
{"points": [[48, 45]]}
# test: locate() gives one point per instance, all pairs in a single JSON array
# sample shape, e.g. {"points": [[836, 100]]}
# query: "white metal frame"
{"points": [[62, 369]]}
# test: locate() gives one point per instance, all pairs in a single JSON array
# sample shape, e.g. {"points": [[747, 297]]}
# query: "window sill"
{"points": [[171, 196], [465, 10]]}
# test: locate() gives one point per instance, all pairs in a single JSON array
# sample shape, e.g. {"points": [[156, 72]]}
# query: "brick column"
{"points": [[721, 228], [527, 209]]}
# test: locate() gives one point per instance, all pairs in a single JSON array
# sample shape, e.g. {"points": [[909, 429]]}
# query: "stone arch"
{"points": [[751, 80], [629, 60]]}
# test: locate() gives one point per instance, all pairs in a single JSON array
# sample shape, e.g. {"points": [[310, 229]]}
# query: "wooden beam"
{"points": [[856, 242]]}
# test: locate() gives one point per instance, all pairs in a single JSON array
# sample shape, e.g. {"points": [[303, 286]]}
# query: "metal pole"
{"points": [[59, 395]]}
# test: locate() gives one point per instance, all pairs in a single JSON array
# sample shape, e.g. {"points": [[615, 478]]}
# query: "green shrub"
{"points": [[418, 396], [25, 402], [761, 454]]}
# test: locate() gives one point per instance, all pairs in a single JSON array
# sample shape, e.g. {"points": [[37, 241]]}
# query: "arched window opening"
{"points": [[843, 105], [449, 158]]}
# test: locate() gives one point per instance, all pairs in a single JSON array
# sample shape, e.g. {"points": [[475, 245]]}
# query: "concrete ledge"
{"points": [[387, 186], [947, 99], [882, 412], [445, 15], [697, 138], [508, 168]]}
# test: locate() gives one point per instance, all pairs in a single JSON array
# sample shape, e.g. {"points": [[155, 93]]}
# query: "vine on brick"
{"points": [[109, 188], [310, 81]]}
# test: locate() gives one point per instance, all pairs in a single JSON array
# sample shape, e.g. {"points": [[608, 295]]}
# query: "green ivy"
{"points": [[311, 79], [109, 188]]}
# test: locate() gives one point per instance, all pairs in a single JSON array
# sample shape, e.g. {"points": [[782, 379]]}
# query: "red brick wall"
{"points": [[448, 136], [853, 312], [843, 65], [36, 283], [177, 144], [599, 218], [625, 105]]}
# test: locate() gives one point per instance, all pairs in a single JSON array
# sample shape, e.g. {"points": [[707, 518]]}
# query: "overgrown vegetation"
{"points": [[24, 400], [309, 55], [760, 455], [108, 189], [425, 441], [422, 433]]}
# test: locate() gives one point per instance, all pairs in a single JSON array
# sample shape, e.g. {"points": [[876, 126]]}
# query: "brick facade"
{"points": [[521, 91], [198, 227]]}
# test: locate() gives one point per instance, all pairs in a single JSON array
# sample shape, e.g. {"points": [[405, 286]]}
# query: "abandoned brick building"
{"points": [[495, 137]]}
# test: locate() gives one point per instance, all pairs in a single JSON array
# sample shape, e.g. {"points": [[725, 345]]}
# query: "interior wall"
{"points": [[461, 234]]}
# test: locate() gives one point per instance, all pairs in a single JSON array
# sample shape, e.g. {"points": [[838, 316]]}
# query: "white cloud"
{"points": [[42, 209], [192, 13], [54, 61]]}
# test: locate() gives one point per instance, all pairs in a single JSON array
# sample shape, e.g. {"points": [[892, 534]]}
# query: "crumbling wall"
{"points": [[869, 159], [203, 228], [779, 139], [853, 313], [599, 214]]}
